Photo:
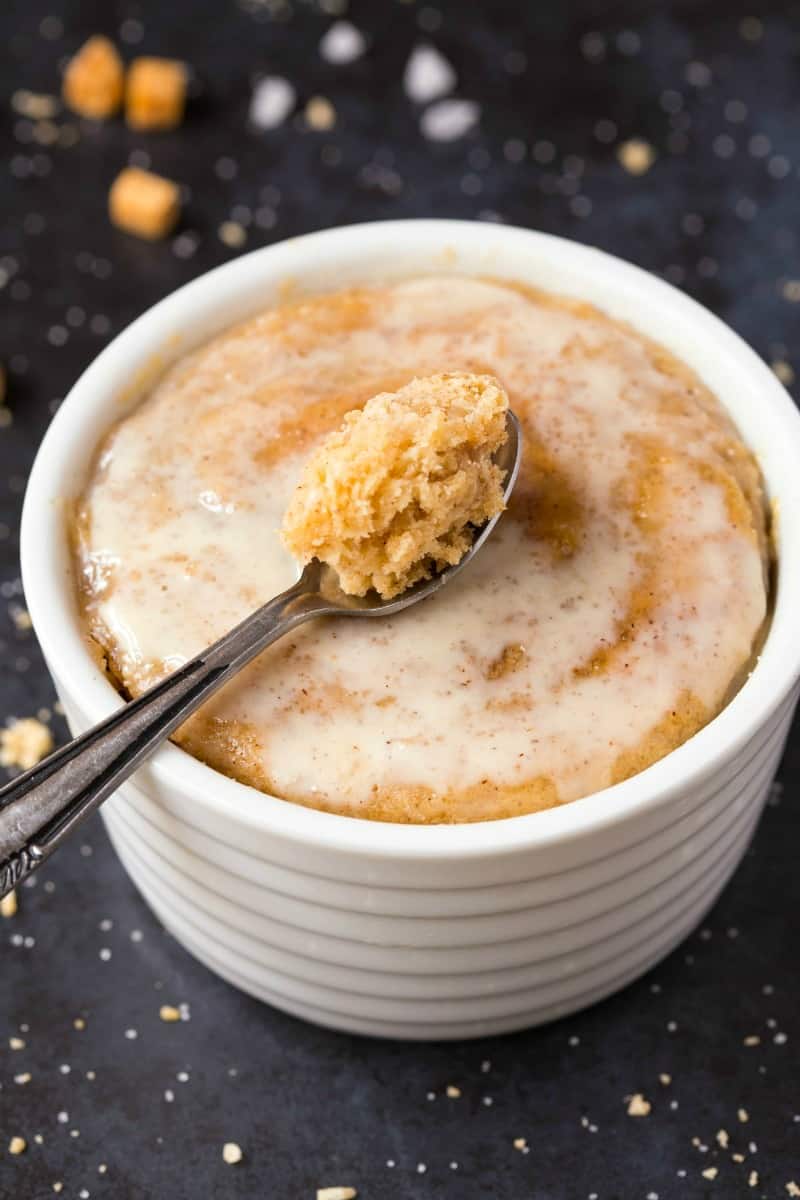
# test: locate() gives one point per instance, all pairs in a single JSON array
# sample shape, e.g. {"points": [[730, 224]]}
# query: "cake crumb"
{"points": [[390, 497], [710, 1173], [336, 1193], [752, 1040], [520, 1143], [722, 1138], [752, 1179], [233, 234], [17, 1145], [36, 106], [16, 1043], [638, 1106], [8, 908], [21, 618], [79, 1023], [320, 114], [155, 93], [737, 1158], [168, 1012], [784, 371], [743, 1115], [792, 1188], [232, 1153], [144, 204], [24, 743], [636, 156], [665, 1080], [94, 79], [58, 1186], [453, 1092]]}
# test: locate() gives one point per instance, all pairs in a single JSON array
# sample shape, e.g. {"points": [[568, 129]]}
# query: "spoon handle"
{"points": [[40, 808]]}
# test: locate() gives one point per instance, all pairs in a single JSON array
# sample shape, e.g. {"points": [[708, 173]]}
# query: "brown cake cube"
{"points": [[144, 204], [155, 94], [94, 80]]}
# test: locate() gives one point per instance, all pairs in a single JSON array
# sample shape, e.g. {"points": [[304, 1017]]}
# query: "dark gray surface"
{"points": [[309, 1107]]}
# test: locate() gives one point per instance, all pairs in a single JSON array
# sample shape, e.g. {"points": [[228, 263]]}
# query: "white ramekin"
{"points": [[445, 931]]}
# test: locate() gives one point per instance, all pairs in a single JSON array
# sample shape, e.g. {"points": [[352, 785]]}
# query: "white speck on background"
{"points": [[428, 75], [448, 120], [342, 44], [273, 99]]}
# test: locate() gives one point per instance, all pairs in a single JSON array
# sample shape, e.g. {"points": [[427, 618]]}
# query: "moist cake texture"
{"points": [[612, 613], [396, 493]]}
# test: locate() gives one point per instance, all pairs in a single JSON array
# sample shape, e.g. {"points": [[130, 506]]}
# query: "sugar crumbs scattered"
{"points": [[24, 742], [638, 1106], [232, 234], [342, 44], [636, 156], [320, 114], [272, 100], [428, 75], [448, 120]]}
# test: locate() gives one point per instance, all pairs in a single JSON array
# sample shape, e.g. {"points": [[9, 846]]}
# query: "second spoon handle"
{"points": [[41, 807]]}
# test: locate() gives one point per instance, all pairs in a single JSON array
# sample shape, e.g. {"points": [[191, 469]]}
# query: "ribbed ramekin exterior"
{"points": [[409, 950]]}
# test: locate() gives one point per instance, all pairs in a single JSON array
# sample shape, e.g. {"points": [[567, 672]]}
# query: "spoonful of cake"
{"points": [[388, 509]]}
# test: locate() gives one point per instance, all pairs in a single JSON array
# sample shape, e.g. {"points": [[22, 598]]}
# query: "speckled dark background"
{"points": [[717, 93]]}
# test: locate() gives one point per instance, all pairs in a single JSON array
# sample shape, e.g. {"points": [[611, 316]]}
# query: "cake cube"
{"points": [[144, 204], [94, 80], [155, 94]]}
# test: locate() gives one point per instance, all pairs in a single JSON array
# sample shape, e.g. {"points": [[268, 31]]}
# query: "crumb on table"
{"points": [[155, 93], [638, 1106], [390, 497], [23, 743], [94, 80], [144, 204]]}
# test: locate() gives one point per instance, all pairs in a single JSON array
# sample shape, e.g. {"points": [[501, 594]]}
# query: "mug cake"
{"points": [[614, 611]]}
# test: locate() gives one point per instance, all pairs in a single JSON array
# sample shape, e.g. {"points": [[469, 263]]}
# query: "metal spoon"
{"points": [[40, 808]]}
